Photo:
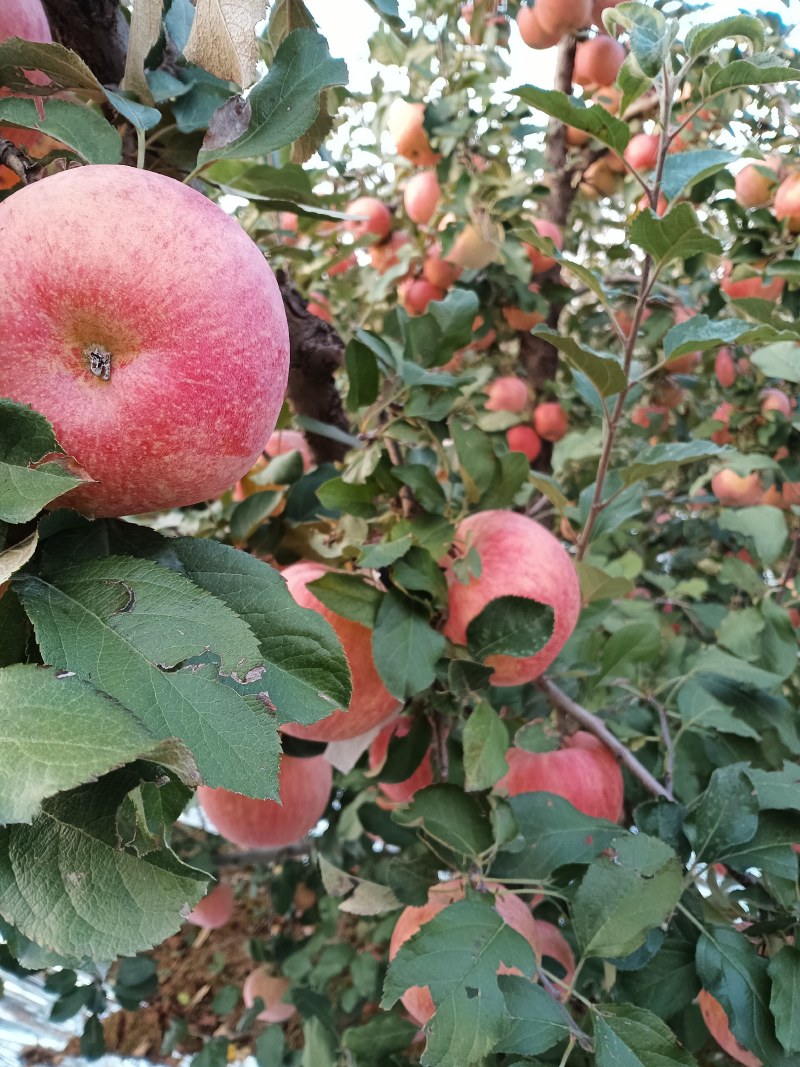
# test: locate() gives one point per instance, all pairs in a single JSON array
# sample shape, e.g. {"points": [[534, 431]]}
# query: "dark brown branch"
{"points": [[316, 353], [96, 30], [16, 159]]}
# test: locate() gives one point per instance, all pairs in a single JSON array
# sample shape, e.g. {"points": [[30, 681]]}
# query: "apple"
{"points": [[417, 1000], [723, 414], [755, 183], [406, 124], [689, 361], [754, 286], [584, 772], [341, 266], [550, 421], [787, 198], [377, 218], [384, 255], [438, 271], [25, 19], [776, 400], [598, 61], [287, 222], [473, 249], [599, 7], [518, 558], [417, 293], [550, 942], [281, 442], [270, 988], [371, 703], [521, 320], [319, 306], [720, 1029], [524, 439], [540, 261], [162, 382], [651, 416], [642, 151], [599, 179], [532, 32], [507, 393], [662, 205], [215, 909], [563, 16], [304, 786], [736, 491], [725, 368], [421, 197], [399, 792]]}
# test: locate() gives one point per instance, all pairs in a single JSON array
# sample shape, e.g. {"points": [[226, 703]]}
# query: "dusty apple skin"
{"points": [[158, 281], [518, 558]]}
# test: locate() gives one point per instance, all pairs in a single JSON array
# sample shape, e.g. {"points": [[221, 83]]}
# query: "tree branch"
{"points": [[562, 702], [96, 30]]}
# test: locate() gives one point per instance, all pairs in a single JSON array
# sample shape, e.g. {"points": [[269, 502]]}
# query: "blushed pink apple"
{"points": [[215, 909], [598, 61], [421, 197], [725, 368], [399, 792], [735, 490], [438, 271], [377, 218], [507, 393], [755, 183], [417, 293], [524, 439], [550, 421], [584, 772], [642, 151], [261, 984], [304, 786], [776, 400], [279, 444], [755, 286], [518, 558], [540, 261], [371, 703], [25, 19], [161, 356], [532, 32], [406, 123], [564, 16]]}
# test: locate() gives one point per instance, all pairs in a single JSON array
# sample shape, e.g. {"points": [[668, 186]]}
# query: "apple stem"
{"points": [[562, 702]]}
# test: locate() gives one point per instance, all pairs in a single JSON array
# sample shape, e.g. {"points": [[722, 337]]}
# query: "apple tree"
{"points": [[458, 724]]}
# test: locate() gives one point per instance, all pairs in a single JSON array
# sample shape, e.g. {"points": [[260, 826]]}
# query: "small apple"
{"points": [[598, 61], [417, 293], [421, 197], [642, 151], [532, 32], [507, 393], [524, 439], [270, 988], [540, 261], [377, 218], [406, 123], [736, 491], [215, 909], [550, 421]]}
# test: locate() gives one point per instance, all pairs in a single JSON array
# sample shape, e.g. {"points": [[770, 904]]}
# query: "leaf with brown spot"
{"points": [[223, 39]]}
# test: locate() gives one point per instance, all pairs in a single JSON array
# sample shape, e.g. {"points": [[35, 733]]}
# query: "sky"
{"points": [[348, 24]]}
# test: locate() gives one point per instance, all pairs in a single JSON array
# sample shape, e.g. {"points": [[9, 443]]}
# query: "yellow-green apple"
{"points": [[406, 123], [162, 382], [550, 421], [599, 179], [475, 247], [583, 771], [720, 1029], [304, 786], [399, 792], [524, 439], [540, 261], [371, 703], [421, 197], [215, 909], [262, 984], [377, 218], [597, 61], [507, 393], [518, 558]]}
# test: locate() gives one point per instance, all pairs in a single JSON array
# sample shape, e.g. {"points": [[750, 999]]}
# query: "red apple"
{"points": [[304, 786], [271, 989], [507, 393], [371, 703], [162, 381], [399, 792], [540, 261], [524, 439], [598, 61], [215, 909], [584, 772], [563, 16], [723, 414], [754, 286], [550, 421], [377, 218], [521, 320], [642, 151], [725, 368], [650, 416], [776, 400], [384, 255], [550, 942], [438, 271], [318, 305], [518, 558], [25, 19], [532, 32], [417, 293], [281, 442], [406, 123], [421, 197], [737, 491], [755, 183], [341, 266], [787, 198], [720, 1029]]}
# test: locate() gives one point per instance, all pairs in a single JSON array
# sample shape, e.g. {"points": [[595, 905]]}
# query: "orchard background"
{"points": [[535, 479]]}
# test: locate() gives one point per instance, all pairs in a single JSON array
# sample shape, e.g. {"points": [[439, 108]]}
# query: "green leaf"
{"points": [[776, 789], [62, 66], [348, 595], [449, 816], [779, 361], [128, 626], [651, 35], [454, 316], [657, 460], [377, 1039], [678, 235], [25, 437], [702, 39], [457, 955], [405, 646], [597, 585], [77, 126], [250, 513], [608, 129], [634, 643], [140, 116], [485, 746], [537, 1022], [784, 970], [362, 375], [668, 983], [764, 526], [604, 372], [624, 895], [715, 662], [58, 732], [511, 626], [285, 102], [556, 835], [700, 333], [682, 170], [476, 458], [626, 1036], [97, 901], [761, 69], [384, 553], [724, 816]]}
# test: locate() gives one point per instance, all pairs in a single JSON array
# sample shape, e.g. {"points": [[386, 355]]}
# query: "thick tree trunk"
{"points": [[95, 29]]}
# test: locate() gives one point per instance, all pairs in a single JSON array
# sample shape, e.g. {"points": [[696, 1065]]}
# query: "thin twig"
{"points": [[407, 503], [562, 702], [663, 718]]}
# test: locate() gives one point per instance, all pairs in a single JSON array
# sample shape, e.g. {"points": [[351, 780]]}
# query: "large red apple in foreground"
{"points": [[371, 703], [518, 558], [584, 772], [304, 786], [146, 325]]}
